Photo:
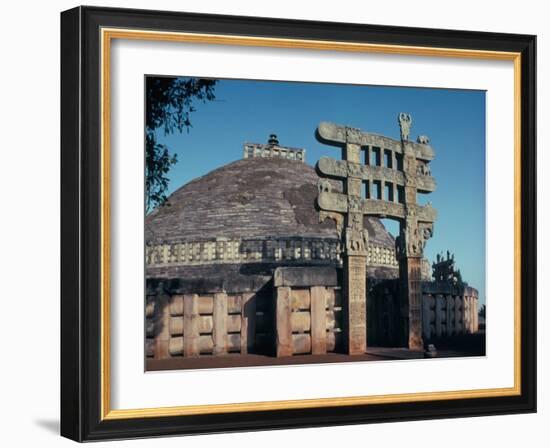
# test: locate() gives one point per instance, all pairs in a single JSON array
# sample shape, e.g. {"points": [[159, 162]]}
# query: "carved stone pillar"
{"points": [[410, 269], [411, 304], [355, 305], [410, 245], [355, 263]]}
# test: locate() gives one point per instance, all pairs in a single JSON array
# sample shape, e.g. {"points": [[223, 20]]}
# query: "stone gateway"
{"points": [[393, 173]]}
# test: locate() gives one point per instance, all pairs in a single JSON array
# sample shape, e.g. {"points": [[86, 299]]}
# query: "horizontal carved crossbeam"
{"points": [[336, 135], [339, 202], [343, 169]]}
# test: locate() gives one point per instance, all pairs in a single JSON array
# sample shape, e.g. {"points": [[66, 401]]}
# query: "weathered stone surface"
{"points": [[333, 202], [384, 305], [440, 315], [283, 332], [161, 328], [300, 299], [341, 169], [234, 343], [220, 317], [337, 135], [248, 326], [176, 326], [149, 347], [191, 325], [149, 308], [234, 258], [318, 320], [355, 307], [332, 319], [338, 202], [205, 345], [300, 321], [450, 316], [458, 317], [405, 122], [334, 298], [305, 276], [205, 323], [251, 197], [301, 344]]}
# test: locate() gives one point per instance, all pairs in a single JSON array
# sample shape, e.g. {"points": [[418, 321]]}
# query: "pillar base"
{"points": [[355, 311]]}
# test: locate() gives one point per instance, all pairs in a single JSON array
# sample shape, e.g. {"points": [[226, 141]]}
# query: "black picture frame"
{"points": [[81, 209]]}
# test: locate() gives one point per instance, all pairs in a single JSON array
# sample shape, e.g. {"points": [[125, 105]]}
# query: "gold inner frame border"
{"points": [[107, 35]]}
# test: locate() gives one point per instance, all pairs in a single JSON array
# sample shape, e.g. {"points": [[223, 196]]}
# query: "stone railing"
{"points": [[447, 310], [266, 250], [381, 256], [308, 311], [256, 150], [448, 313], [192, 325]]}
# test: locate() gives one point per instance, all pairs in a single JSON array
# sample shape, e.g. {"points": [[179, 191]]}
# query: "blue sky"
{"points": [[454, 120]]}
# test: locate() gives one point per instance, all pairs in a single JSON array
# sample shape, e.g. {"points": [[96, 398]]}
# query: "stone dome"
{"points": [[249, 198], [251, 215]]}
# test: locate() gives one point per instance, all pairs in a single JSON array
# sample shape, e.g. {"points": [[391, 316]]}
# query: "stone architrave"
{"points": [[398, 185]]}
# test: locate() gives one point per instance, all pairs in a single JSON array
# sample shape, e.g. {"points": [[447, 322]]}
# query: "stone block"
{"points": [[283, 331], [318, 320], [219, 317], [305, 276]]}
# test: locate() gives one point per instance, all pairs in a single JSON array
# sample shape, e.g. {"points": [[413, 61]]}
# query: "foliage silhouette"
{"points": [[169, 104]]}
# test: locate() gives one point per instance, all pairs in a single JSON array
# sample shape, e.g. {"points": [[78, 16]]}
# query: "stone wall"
{"points": [[308, 316], [448, 311], [289, 311], [206, 323]]}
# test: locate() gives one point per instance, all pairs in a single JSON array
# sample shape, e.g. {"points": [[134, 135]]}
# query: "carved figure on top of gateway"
{"points": [[405, 122]]}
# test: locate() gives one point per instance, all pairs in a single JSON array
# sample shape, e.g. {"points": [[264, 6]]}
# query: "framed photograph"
{"points": [[275, 224]]}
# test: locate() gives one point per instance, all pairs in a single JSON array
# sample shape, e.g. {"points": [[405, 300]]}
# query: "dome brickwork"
{"points": [[254, 210]]}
